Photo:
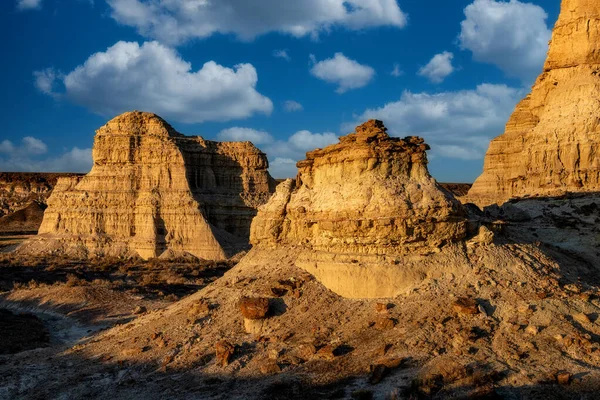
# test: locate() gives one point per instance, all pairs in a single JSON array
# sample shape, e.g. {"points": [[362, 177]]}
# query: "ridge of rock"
{"points": [[358, 205], [152, 189], [551, 140]]}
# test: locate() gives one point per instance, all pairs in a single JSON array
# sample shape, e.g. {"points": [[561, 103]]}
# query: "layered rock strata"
{"points": [[152, 189], [356, 207], [551, 141]]}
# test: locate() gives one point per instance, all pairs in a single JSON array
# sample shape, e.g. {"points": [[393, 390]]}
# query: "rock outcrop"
{"points": [[552, 139], [356, 207], [152, 189]]}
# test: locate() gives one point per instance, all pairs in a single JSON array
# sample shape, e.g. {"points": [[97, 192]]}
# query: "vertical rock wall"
{"points": [[152, 189], [551, 142]]}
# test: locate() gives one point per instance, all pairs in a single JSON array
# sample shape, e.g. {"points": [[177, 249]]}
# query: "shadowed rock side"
{"points": [[152, 189], [358, 207], [551, 141]]}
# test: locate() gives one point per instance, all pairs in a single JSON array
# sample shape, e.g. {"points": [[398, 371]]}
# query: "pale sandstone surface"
{"points": [[362, 209], [152, 189], [551, 141]]}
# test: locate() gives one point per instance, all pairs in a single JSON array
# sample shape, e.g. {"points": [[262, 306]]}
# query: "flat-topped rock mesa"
{"points": [[152, 189], [551, 141], [357, 205]]}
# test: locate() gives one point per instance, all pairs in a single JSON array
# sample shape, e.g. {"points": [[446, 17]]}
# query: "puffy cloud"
{"points": [[237, 134], [292, 106], [282, 54], [281, 168], [283, 154], [396, 72], [34, 146], [153, 77], [29, 4], [344, 72], [6, 146], [26, 157], [456, 124], [176, 21], [511, 35], [438, 68], [45, 80]]}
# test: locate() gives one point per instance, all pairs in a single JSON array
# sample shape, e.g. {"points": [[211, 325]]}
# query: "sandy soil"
{"points": [[516, 318]]}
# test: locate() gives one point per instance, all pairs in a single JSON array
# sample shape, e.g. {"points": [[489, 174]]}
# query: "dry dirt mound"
{"points": [[23, 221], [510, 326]]}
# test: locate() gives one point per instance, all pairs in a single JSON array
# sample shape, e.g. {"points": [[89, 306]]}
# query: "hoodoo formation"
{"points": [[552, 139], [152, 190], [358, 207]]}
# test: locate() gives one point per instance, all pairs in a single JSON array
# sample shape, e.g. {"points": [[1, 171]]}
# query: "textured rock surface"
{"points": [[551, 140], [152, 189], [358, 204]]}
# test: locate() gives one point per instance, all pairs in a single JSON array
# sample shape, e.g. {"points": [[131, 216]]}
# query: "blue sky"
{"points": [[288, 75]]}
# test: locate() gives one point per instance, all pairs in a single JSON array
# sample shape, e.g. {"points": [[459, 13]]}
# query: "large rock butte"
{"points": [[356, 207], [552, 139], [152, 190]]}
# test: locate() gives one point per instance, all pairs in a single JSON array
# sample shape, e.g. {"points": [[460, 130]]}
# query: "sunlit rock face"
{"points": [[153, 190], [551, 141], [357, 205]]}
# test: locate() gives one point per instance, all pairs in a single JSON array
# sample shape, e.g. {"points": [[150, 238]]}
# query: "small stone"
{"points": [[525, 308], [224, 352], [563, 378], [307, 350], [326, 352], [382, 307], [139, 310], [532, 330], [269, 368], [254, 308], [199, 309], [582, 318], [384, 324], [464, 305]]}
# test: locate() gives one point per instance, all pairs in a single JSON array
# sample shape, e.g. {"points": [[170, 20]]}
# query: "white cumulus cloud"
{"points": [[396, 72], [342, 71], [176, 21], [292, 106], [237, 134], [511, 35], [283, 154], [438, 68], [27, 157], [456, 124], [282, 54], [153, 77], [29, 4]]}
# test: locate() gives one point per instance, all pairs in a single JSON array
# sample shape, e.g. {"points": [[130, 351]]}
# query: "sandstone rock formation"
{"points": [[152, 189], [356, 207], [551, 141]]}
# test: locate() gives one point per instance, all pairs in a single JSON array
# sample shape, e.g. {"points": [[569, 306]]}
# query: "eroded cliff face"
{"points": [[551, 141], [356, 207], [153, 190]]}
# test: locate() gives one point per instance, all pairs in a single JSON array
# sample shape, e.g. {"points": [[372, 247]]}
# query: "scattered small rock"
{"points": [[254, 308], [139, 310], [582, 318], [224, 352], [563, 378], [384, 324], [465, 305]]}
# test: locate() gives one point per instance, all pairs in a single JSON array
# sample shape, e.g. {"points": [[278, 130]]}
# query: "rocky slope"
{"points": [[357, 208], [23, 198], [154, 191], [551, 140]]}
